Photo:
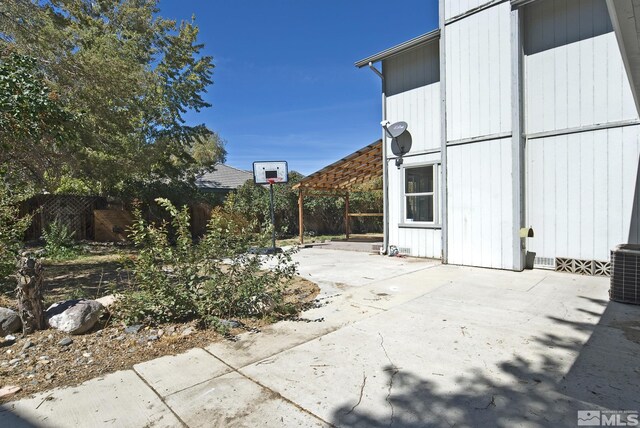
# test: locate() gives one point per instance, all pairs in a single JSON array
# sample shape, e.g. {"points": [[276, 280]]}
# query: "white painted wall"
{"points": [[581, 188], [581, 193], [422, 242], [478, 66], [478, 90], [574, 74], [453, 8], [413, 94], [480, 204]]}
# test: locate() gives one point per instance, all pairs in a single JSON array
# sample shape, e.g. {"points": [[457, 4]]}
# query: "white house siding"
{"points": [[419, 242], [581, 193], [581, 187], [479, 174], [478, 67], [574, 74], [480, 204], [413, 94], [453, 8]]}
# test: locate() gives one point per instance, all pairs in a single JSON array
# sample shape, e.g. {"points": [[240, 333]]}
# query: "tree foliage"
{"points": [[208, 150], [12, 228], [33, 122], [116, 75], [323, 214]]}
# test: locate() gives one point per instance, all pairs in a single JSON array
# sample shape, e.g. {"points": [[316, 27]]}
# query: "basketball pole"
{"points": [[273, 217]]}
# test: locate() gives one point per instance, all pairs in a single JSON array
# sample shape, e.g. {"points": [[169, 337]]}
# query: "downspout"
{"points": [[444, 197], [385, 189]]}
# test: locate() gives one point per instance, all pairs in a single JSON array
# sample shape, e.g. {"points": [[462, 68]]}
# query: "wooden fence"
{"points": [[75, 212]]}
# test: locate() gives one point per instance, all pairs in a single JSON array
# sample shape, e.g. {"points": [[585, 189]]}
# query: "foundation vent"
{"points": [[583, 267], [544, 263]]}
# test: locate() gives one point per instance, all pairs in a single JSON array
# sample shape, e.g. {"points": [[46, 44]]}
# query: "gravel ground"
{"points": [[44, 360]]}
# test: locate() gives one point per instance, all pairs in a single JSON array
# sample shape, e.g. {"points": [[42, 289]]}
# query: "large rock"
{"points": [[74, 316], [108, 301], [9, 322]]}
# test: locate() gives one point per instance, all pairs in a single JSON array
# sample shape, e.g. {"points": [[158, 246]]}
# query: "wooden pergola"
{"points": [[339, 178]]}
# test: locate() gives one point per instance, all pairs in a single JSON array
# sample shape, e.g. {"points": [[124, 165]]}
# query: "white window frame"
{"points": [[436, 205]]}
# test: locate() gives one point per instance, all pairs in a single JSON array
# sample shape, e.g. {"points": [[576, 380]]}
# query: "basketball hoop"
{"points": [[270, 172]]}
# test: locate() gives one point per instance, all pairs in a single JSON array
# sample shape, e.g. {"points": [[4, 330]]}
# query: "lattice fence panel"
{"points": [[75, 212]]}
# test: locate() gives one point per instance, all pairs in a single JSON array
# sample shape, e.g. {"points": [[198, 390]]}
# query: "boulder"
{"points": [[9, 321], [74, 316], [108, 301]]}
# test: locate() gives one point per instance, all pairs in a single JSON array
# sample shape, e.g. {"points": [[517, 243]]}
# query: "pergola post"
{"points": [[346, 215], [301, 214]]}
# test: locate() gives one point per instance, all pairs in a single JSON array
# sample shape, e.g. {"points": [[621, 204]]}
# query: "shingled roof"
{"points": [[223, 178]]}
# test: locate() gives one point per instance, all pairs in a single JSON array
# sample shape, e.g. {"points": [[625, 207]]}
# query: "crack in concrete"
{"points": [[393, 374], [160, 397], [270, 390], [364, 382]]}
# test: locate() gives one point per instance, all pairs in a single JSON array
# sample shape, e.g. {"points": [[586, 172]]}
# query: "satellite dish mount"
{"points": [[400, 139]]}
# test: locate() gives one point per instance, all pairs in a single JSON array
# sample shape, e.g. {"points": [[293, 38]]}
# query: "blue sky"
{"points": [[285, 87]]}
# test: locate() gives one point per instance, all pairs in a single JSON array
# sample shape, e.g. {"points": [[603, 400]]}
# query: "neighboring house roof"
{"points": [[223, 178], [402, 47]]}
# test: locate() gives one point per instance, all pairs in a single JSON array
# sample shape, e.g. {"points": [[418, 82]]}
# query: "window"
{"points": [[419, 194]]}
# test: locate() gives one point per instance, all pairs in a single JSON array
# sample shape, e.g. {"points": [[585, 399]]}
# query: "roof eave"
{"points": [[402, 47]]}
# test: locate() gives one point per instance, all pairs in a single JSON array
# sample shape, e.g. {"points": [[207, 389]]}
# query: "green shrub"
{"points": [[12, 229], [59, 243], [178, 280]]}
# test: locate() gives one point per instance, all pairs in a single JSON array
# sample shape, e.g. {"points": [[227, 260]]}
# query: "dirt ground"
{"points": [[39, 362]]}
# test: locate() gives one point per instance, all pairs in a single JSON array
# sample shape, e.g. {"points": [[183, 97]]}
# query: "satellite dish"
{"points": [[396, 129], [401, 144]]}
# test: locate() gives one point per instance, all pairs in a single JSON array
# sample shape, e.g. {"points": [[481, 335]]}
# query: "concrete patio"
{"points": [[393, 342]]}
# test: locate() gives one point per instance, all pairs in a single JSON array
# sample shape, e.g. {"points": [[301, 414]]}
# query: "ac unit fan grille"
{"points": [[625, 270]]}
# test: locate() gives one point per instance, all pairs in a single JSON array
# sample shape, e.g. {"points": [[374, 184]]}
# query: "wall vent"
{"points": [[395, 250], [583, 267], [544, 263]]}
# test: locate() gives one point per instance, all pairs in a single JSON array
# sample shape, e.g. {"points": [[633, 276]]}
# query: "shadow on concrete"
{"points": [[11, 420], [604, 374]]}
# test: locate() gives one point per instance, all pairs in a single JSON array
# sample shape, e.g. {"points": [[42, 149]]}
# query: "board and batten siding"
{"points": [[412, 81], [421, 242], [412, 89], [454, 8], [480, 204], [479, 174], [574, 75], [478, 64], [582, 193]]}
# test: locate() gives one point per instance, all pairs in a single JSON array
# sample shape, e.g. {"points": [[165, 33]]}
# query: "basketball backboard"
{"points": [[270, 172]]}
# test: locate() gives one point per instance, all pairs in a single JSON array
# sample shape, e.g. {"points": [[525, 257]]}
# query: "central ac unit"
{"points": [[625, 272]]}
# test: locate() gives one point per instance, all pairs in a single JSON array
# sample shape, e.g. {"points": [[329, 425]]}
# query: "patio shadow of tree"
{"points": [[539, 394]]}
